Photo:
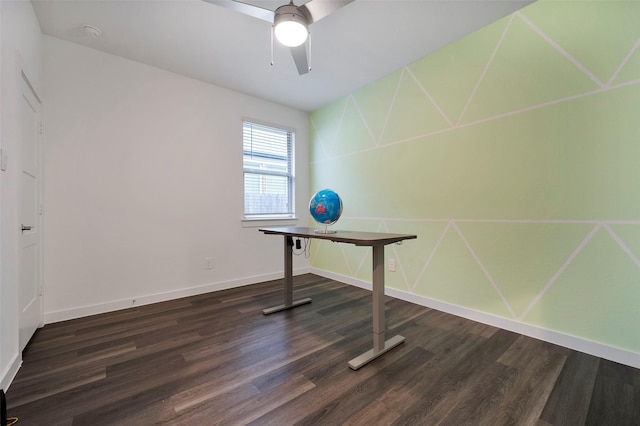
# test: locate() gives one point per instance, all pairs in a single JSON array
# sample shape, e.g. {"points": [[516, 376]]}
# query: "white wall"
{"points": [[21, 48], [143, 180]]}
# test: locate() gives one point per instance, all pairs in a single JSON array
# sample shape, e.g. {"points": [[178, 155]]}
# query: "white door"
{"points": [[30, 294]]}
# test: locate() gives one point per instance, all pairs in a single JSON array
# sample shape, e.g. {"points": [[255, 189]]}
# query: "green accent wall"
{"points": [[514, 155]]}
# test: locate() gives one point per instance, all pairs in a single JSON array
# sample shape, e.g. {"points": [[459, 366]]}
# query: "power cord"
{"points": [[298, 250], [6, 421]]}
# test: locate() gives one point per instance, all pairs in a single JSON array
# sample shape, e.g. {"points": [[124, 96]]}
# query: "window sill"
{"points": [[264, 221]]}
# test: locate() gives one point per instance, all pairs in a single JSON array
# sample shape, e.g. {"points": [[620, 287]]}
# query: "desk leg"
{"points": [[380, 346], [288, 281]]}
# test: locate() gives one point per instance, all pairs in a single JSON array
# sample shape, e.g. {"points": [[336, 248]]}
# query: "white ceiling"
{"points": [[358, 44]]}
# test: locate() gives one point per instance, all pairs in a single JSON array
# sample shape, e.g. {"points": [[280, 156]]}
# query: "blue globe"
{"points": [[325, 207]]}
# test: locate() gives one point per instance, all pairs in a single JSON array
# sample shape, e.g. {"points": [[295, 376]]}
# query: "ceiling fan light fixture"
{"points": [[290, 26]]}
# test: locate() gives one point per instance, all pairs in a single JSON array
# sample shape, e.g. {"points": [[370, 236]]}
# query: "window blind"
{"points": [[268, 171]]}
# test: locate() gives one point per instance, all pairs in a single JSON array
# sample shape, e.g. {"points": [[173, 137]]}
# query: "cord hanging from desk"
{"points": [[298, 250]]}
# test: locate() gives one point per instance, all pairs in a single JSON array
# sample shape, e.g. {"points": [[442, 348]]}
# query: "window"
{"points": [[268, 171]]}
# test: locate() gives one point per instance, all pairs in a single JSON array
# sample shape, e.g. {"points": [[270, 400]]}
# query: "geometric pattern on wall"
{"points": [[559, 268], [412, 115], [610, 29], [414, 257], [454, 275], [353, 133], [628, 238], [522, 258], [523, 56], [606, 311], [630, 71], [326, 123], [450, 74], [374, 101]]}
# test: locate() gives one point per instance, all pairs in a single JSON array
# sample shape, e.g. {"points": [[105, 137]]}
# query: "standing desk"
{"points": [[376, 241]]}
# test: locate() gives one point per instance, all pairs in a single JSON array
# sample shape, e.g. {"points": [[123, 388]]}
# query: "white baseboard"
{"points": [[576, 343], [583, 345], [10, 372], [116, 305]]}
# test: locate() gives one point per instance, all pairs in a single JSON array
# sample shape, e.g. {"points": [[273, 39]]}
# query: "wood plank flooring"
{"points": [[215, 359]]}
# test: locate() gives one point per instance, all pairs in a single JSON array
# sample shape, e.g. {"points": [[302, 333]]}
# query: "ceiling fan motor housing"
{"points": [[290, 12]]}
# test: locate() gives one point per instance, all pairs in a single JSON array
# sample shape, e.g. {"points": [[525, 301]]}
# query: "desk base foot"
{"points": [[371, 354], [279, 308]]}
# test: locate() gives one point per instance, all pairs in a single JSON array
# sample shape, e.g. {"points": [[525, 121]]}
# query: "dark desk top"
{"points": [[351, 237]]}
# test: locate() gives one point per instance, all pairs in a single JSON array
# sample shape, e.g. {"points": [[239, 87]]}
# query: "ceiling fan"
{"points": [[290, 22]]}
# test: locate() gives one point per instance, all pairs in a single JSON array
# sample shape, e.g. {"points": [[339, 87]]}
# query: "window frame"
{"points": [[284, 218]]}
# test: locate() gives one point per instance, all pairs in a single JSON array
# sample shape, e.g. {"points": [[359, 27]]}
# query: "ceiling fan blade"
{"points": [[299, 54], [247, 9], [318, 9]]}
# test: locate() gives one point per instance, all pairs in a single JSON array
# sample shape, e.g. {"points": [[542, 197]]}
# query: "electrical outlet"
{"points": [[392, 265], [208, 263]]}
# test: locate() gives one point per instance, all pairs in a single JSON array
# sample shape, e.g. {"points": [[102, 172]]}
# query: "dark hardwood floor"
{"points": [[215, 359]]}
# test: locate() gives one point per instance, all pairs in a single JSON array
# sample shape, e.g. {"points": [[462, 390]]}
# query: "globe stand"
{"points": [[324, 231]]}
